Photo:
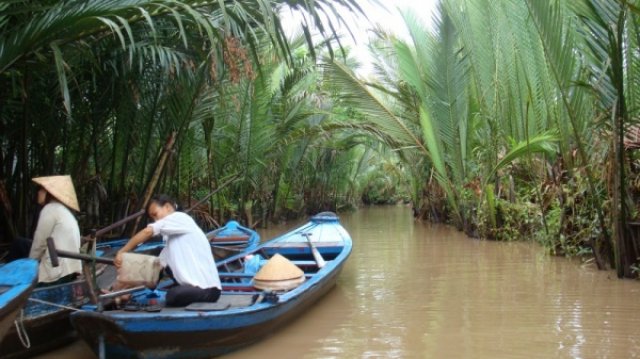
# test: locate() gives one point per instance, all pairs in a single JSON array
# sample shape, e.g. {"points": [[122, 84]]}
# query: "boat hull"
{"points": [[221, 338], [16, 284], [47, 326], [8, 315]]}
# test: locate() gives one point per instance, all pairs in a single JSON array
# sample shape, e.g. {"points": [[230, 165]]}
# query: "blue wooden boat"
{"points": [[44, 323], [17, 279], [243, 314], [232, 238]]}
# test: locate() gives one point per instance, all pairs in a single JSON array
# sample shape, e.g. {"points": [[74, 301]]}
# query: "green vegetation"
{"points": [[507, 119], [132, 97], [517, 112]]}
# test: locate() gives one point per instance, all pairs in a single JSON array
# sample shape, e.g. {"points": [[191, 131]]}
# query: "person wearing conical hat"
{"points": [[56, 220]]}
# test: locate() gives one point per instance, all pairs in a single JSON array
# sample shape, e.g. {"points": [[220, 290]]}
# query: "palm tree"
{"points": [[612, 76], [88, 86], [434, 104]]}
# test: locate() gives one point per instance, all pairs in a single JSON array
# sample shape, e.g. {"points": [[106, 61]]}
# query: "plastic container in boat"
{"points": [[139, 269]]}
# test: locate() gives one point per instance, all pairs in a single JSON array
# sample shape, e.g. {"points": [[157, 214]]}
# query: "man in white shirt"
{"points": [[187, 254]]}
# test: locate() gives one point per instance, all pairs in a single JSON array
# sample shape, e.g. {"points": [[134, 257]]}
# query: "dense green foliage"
{"points": [[139, 96], [508, 119], [522, 112]]}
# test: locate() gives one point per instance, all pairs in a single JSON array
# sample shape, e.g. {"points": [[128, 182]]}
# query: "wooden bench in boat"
{"points": [[246, 275], [238, 287], [231, 239], [230, 244], [305, 263]]}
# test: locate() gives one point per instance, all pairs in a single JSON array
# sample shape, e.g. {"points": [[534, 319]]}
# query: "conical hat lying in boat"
{"points": [[278, 274]]}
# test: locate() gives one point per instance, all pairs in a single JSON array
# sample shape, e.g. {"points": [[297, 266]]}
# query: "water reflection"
{"points": [[415, 290]]}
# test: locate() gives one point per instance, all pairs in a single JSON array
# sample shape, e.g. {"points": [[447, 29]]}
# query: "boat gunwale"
{"points": [[25, 285]]}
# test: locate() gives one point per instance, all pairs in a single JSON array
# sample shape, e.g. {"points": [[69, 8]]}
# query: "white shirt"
{"points": [[187, 251], [56, 221]]}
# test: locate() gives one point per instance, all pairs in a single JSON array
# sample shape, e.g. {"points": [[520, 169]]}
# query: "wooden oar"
{"points": [[314, 251], [107, 229], [55, 253]]}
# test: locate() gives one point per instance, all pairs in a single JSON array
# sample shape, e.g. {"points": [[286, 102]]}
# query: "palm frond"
{"points": [[544, 144], [356, 93]]}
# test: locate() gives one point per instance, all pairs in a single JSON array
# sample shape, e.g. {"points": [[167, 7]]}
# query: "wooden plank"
{"points": [[305, 263], [245, 275], [242, 238], [230, 243], [242, 287]]}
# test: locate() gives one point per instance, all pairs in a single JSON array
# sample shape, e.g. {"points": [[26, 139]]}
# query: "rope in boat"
{"points": [[54, 304], [22, 331], [19, 322]]}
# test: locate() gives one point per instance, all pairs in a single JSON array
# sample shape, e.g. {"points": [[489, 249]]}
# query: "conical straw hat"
{"points": [[60, 187], [278, 268], [278, 285]]}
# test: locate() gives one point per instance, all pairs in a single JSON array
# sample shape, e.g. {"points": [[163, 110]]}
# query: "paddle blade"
{"points": [[314, 251]]}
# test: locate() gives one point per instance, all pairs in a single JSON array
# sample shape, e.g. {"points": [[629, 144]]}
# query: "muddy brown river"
{"points": [[418, 290]]}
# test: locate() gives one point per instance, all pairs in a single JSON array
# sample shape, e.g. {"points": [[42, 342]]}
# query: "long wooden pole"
{"points": [[55, 253], [95, 234]]}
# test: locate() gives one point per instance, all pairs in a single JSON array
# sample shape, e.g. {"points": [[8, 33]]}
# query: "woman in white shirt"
{"points": [[187, 256], [58, 196]]}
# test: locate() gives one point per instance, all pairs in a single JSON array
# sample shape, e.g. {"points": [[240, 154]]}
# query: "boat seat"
{"points": [[239, 287], [235, 275], [306, 263], [235, 239], [228, 243], [243, 275]]}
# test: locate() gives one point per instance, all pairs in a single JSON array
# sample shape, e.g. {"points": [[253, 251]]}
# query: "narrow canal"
{"points": [[418, 290]]}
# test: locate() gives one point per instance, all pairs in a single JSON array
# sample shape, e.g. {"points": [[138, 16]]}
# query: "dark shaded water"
{"points": [[416, 290]]}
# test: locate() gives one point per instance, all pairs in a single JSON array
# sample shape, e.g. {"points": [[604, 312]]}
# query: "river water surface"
{"points": [[418, 290]]}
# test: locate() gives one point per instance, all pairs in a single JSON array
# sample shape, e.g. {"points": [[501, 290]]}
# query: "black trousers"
{"points": [[182, 295]]}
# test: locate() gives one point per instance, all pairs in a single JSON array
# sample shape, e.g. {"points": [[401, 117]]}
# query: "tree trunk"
{"points": [[151, 187]]}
